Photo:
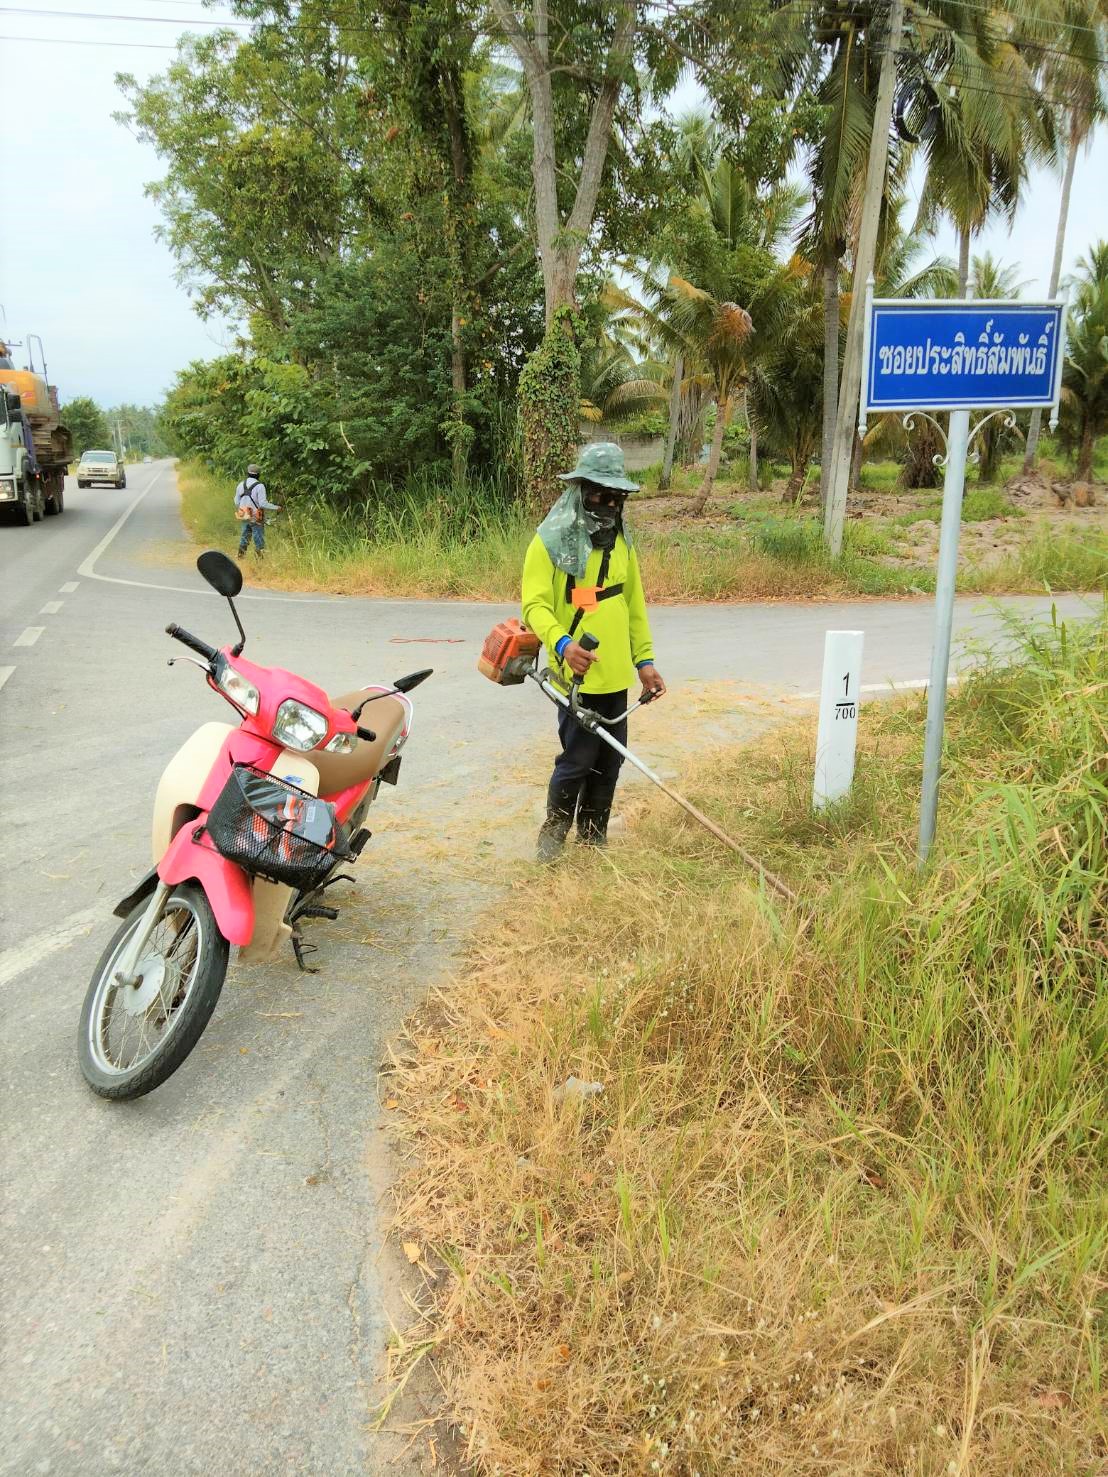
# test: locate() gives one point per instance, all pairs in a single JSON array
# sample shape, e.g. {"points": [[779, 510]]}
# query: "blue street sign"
{"points": [[977, 354]]}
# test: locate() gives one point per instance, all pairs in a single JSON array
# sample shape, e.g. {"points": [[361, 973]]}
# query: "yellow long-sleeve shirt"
{"points": [[619, 624]]}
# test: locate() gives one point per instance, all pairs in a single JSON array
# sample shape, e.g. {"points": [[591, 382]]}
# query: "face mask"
{"points": [[603, 524]]}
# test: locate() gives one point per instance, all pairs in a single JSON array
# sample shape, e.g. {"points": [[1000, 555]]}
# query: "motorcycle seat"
{"points": [[386, 716]]}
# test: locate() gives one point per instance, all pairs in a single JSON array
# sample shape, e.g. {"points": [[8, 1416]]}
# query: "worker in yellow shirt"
{"points": [[581, 574]]}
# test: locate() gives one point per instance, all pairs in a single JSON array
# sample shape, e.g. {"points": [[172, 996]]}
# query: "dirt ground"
{"points": [[1034, 505]]}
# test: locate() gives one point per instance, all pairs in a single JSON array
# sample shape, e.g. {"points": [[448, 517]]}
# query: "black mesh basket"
{"points": [[273, 829]]}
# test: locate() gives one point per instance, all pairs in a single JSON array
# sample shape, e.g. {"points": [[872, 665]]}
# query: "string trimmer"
{"points": [[510, 657]]}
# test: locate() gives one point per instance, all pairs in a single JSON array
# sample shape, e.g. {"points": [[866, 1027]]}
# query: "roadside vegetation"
{"points": [[469, 543], [134, 427], [830, 1192]]}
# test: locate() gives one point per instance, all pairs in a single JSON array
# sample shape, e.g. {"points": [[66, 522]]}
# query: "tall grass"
{"points": [[842, 1204], [427, 541], [420, 541]]}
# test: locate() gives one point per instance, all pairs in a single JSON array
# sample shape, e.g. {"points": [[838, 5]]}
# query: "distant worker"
{"points": [[251, 506], [581, 574]]}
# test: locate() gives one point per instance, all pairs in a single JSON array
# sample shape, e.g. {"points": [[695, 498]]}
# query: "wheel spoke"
{"points": [[125, 1040]]}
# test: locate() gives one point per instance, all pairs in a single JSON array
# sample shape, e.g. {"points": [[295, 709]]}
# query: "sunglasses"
{"points": [[602, 497]]}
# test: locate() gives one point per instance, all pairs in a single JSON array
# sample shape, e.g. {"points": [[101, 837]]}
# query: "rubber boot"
{"points": [[592, 826], [552, 836]]}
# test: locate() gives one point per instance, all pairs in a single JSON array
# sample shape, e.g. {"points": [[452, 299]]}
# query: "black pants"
{"points": [[586, 771]]}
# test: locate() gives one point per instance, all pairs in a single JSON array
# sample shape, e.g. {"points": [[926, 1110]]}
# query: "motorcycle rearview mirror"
{"points": [[402, 684], [225, 577], [223, 574]]}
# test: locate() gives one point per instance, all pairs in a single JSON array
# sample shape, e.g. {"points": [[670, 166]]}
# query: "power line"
{"points": [[71, 41], [97, 15], [1018, 44]]}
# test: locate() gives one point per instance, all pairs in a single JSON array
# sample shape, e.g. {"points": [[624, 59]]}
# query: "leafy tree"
{"points": [[87, 424], [1085, 374], [786, 383], [139, 428]]}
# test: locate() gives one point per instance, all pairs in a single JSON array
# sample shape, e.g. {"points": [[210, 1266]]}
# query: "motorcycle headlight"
{"points": [[238, 688], [342, 743], [298, 727]]}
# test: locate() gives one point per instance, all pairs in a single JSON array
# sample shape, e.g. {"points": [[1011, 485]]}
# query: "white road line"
{"points": [[87, 568], [5, 673], [69, 587], [29, 636], [51, 607], [912, 684], [21, 957]]}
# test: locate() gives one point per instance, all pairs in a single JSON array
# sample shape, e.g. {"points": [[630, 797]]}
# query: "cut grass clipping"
{"points": [[429, 542], [838, 1201]]}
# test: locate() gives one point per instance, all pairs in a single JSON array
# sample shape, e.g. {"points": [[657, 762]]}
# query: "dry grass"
{"points": [[840, 1206]]}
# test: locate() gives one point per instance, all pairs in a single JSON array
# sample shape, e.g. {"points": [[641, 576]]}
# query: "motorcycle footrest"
{"points": [[358, 841], [317, 910]]}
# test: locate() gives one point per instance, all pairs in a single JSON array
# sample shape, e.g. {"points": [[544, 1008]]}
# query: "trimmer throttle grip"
{"points": [[589, 642], [186, 638]]}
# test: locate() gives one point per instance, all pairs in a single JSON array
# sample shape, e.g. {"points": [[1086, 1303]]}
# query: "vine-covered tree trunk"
{"points": [[550, 410], [723, 415], [752, 466]]}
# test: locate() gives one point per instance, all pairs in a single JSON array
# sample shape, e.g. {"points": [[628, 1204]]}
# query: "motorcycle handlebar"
{"points": [[186, 638]]}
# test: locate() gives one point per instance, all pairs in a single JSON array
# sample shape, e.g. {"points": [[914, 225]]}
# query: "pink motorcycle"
{"points": [[252, 825]]}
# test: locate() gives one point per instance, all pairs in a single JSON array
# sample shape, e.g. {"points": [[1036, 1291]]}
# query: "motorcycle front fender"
{"points": [[138, 894], [226, 886]]}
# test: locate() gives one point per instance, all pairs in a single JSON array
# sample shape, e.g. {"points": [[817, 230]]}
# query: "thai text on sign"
{"points": [[944, 356]]}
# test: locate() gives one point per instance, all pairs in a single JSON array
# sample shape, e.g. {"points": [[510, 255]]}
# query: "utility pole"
{"points": [[1035, 429], [835, 511]]}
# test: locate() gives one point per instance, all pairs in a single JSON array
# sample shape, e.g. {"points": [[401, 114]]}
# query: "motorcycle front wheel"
{"points": [[131, 1038]]}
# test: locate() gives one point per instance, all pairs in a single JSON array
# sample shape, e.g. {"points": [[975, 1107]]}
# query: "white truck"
{"points": [[35, 448]]}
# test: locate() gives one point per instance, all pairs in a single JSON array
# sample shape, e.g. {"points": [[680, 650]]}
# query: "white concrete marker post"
{"points": [[837, 737]]}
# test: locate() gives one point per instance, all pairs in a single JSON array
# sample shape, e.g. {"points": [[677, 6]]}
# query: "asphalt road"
{"points": [[196, 1282]]}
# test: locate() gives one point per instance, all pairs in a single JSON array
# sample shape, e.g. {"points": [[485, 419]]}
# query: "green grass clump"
{"points": [[841, 1202], [1063, 559], [979, 505]]}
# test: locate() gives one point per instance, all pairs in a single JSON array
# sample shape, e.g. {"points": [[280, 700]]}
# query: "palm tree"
{"points": [[740, 215], [619, 378], [714, 334], [709, 332], [993, 279], [1075, 75], [786, 378], [1085, 374], [983, 125]]}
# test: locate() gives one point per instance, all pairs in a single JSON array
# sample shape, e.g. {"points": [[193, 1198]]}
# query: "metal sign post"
{"points": [[923, 356]]}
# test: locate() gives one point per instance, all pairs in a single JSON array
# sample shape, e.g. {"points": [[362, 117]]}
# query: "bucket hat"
{"points": [[601, 462]]}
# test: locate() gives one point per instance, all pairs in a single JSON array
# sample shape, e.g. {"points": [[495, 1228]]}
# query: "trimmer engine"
{"points": [[509, 653]]}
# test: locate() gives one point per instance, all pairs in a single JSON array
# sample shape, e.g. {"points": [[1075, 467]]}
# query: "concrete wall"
{"points": [[638, 451]]}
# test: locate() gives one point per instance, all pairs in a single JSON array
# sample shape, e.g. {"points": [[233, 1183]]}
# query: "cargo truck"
{"points": [[35, 448]]}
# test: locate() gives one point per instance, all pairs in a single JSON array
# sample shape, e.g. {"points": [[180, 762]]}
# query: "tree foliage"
{"points": [[397, 205], [1085, 375], [87, 424]]}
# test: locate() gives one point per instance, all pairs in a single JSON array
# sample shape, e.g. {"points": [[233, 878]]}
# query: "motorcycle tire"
{"points": [[185, 1012]]}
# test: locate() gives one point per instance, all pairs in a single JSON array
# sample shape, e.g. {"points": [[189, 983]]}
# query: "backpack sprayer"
{"points": [[510, 657]]}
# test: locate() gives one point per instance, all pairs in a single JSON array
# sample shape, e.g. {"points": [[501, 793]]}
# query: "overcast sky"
{"points": [[78, 260]]}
